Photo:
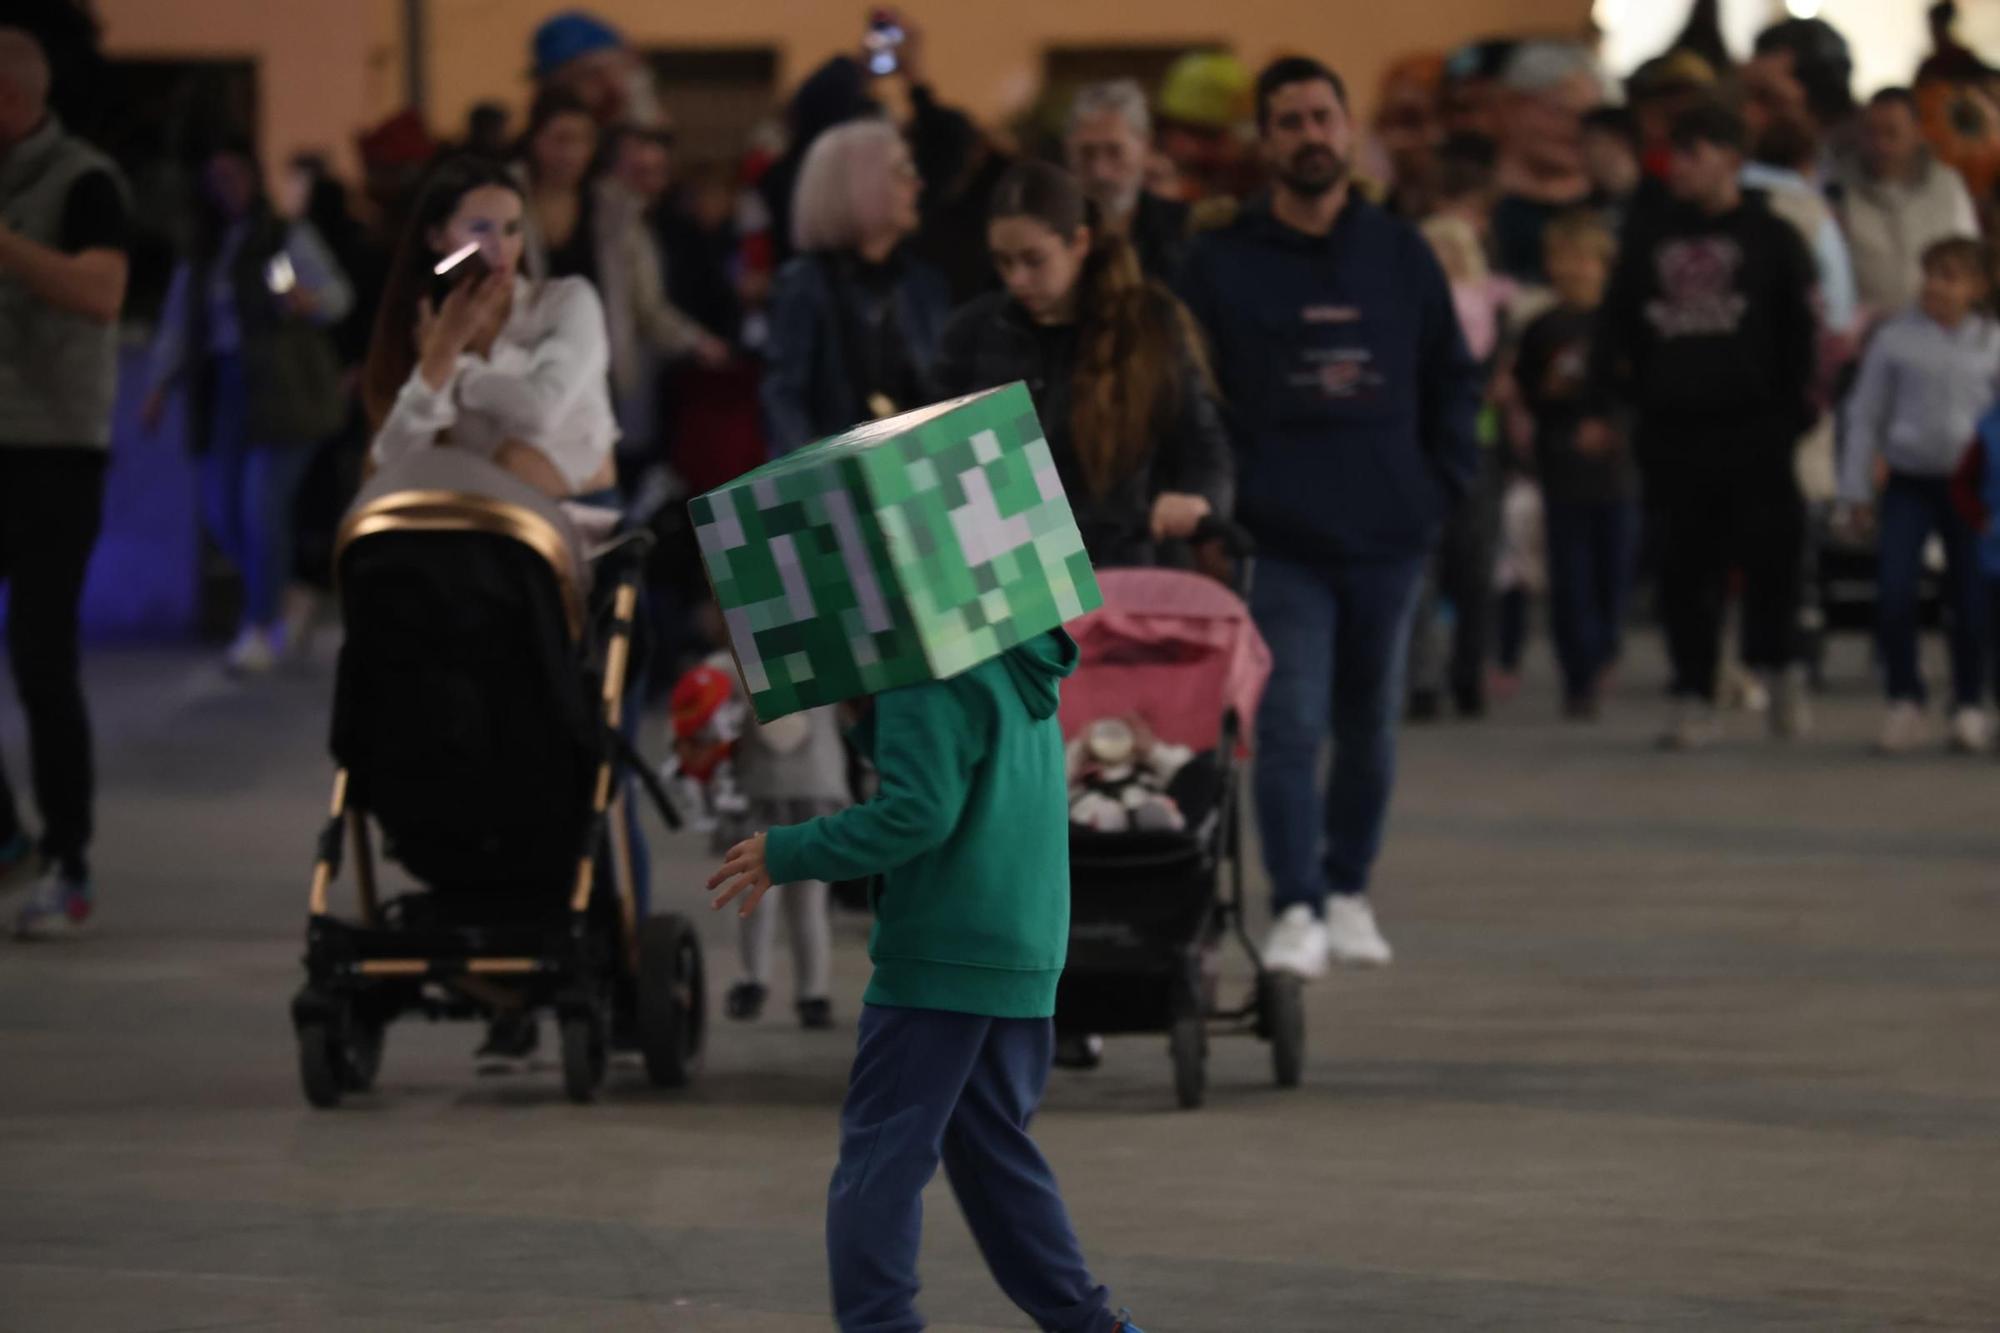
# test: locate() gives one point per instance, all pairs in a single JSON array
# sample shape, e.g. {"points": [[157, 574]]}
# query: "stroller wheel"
{"points": [[1281, 1001], [1187, 1042], [583, 1057], [673, 1001], [363, 1056], [320, 1065]]}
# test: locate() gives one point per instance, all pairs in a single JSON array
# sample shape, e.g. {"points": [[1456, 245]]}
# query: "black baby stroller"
{"points": [[476, 728], [1149, 909]]}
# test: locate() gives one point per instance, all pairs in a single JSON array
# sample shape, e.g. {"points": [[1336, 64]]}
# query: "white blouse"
{"points": [[545, 383]]}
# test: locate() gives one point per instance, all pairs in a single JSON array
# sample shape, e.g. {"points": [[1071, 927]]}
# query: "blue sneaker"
{"points": [[57, 907], [1125, 1324]]}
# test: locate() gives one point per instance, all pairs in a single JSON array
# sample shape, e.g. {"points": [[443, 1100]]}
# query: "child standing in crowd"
{"points": [[1589, 495], [736, 776], [1928, 374], [790, 770], [970, 838], [1462, 570]]}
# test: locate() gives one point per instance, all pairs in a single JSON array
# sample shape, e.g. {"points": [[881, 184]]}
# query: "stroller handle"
{"points": [[1233, 536]]}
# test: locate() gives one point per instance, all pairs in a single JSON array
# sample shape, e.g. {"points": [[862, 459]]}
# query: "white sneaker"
{"points": [[1297, 943], [1791, 705], [1692, 726], [1741, 689], [251, 654], [1902, 728], [58, 907], [1352, 936], [1971, 731]]}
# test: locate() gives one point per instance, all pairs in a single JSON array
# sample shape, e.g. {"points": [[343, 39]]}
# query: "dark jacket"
{"points": [[993, 341], [812, 385], [1707, 332], [1161, 234], [1346, 385]]}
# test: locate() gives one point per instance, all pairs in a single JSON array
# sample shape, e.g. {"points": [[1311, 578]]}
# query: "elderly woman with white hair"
{"points": [[854, 319]]}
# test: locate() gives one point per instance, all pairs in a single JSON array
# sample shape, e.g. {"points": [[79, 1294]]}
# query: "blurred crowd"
{"points": [[1714, 329]]}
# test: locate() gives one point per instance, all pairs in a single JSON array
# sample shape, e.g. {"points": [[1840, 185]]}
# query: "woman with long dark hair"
{"points": [[245, 324], [502, 366], [1113, 360]]}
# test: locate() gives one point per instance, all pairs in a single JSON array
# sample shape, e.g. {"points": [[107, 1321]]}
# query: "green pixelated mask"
{"points": [[908, 549]]}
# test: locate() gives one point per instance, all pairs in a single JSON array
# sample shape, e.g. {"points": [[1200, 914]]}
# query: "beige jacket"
{"points": [[644, 328], [1890, 223]]}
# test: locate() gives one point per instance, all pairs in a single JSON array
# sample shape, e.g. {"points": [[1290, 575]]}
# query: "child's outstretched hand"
{"points": [[745, 875]]}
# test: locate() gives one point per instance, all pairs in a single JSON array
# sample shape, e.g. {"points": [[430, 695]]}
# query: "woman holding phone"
{"points": [[482, 359]]}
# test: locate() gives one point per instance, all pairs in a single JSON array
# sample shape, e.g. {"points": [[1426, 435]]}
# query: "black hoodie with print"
{"points": [[1708, 333]]}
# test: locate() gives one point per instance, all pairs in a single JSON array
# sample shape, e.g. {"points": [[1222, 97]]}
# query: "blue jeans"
{"points": [[1912, 509], [931, 1086], [247, 493], [1591, 550], [1339, 637]]}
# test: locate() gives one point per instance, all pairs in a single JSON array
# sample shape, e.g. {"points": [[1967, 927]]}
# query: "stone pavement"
{"points": [[1672, 1042]]}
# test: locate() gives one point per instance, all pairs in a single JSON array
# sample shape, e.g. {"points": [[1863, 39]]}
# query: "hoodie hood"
{"points": [[1037, 669]]}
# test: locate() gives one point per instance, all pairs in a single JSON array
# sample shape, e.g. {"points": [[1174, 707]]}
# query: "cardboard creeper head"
{"points": [[908, 549]]}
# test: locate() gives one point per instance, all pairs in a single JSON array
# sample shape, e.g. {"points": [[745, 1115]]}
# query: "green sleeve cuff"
{"points": [[785, 854]]}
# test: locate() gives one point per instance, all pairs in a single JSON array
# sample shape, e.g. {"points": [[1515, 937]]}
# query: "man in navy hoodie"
{"points": [[1351, 400]]}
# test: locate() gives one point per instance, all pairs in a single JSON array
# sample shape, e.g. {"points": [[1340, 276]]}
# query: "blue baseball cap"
{"points": [[569, 35]]}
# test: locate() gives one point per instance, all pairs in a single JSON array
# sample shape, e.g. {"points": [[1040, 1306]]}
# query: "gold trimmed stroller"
{"points": [[477, 730]]}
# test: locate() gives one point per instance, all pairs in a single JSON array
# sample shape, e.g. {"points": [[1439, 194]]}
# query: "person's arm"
{"points": [[671, 330], [1516, 391], [1865, 420], [572, 359], [428, 402], [419, 414], [1797, 327], [1199, 290], [84, 273], [927, 740], [1616, 341], [1839, 300], [169, 354], [1964, 217], [1449, 392], [789, 360], [326, 294], [1199, 461], [90, 282]]}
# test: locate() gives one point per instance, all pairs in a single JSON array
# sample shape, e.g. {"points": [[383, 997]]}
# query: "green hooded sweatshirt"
{"points": [[969, 833]]}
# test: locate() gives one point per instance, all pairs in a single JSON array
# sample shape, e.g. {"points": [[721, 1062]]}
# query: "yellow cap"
{"points": [[1208, 88]]}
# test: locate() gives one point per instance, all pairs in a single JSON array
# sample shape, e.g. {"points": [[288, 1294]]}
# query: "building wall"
{"points": [[329, 68], [324, 69]]}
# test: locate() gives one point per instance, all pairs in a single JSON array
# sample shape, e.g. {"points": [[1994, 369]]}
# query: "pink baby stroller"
{"points": [[1149, 909]]}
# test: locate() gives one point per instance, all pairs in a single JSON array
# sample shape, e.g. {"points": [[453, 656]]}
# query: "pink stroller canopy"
{"points": [[1177, 649]]}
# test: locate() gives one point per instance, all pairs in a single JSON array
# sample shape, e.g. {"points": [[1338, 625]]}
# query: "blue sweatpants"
{"points": [[929, 1086]]}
